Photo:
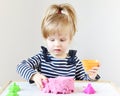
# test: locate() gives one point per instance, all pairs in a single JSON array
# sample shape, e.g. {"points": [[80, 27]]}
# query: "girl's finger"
{"points": [[38, 85]]}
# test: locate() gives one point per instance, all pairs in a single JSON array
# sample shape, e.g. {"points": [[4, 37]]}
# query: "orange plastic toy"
{"points": [[89, 64]]}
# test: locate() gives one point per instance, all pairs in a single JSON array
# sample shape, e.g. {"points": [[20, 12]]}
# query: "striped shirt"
{"points": [[52, 67]]}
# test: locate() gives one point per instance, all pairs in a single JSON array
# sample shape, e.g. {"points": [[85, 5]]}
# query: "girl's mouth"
{"points": [[57, 50]]}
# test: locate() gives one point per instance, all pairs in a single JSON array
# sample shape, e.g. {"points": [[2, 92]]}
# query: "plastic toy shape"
{"points": [[89, 89], [13, 89], [89, 64]]}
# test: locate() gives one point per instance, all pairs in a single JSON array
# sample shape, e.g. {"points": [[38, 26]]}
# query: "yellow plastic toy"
{"points": [[89, 64]]}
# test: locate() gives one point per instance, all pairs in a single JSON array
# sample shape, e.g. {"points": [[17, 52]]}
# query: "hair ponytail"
{"points": [[55, 13]]}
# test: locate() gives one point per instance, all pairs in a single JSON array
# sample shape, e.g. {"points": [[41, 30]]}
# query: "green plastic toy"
{"points": [[13, 89]]}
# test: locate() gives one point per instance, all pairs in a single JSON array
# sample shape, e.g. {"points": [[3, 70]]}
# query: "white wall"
{"points": [[97, 37]]}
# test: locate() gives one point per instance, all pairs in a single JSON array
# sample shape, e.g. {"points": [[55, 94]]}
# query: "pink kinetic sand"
{"points": [[59, 85], [89, 89]]}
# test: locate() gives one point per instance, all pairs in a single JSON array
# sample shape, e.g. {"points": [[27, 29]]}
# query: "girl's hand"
{"points": [[93, 72], [38, 78]]}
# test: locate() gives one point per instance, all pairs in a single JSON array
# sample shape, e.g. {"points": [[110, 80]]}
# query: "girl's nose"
{"points": [[57, 43]]}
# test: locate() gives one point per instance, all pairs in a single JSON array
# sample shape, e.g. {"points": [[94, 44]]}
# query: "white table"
{"points": [[102, 89]]}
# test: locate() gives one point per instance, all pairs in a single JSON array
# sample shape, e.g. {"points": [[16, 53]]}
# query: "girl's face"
{"points": [[58, 44]]}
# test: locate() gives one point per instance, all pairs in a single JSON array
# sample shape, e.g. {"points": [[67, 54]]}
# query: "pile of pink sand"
{"points": [[59, 85]]}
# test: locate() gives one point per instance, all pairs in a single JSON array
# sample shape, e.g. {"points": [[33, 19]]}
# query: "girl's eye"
{"points": [[62, 40], [52, 39]]}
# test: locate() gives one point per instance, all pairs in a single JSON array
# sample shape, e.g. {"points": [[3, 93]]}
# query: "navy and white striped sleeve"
{"points": [[27, 67], [80, 73]]}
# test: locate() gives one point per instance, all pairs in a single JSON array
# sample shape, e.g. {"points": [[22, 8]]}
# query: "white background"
{"points": [[98, 34]]}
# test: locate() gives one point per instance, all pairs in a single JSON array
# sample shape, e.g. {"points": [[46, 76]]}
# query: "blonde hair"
{"points": [[59, 18]]}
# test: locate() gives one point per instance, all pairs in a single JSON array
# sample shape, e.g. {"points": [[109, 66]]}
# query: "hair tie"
{"points": [[59, 10]]}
